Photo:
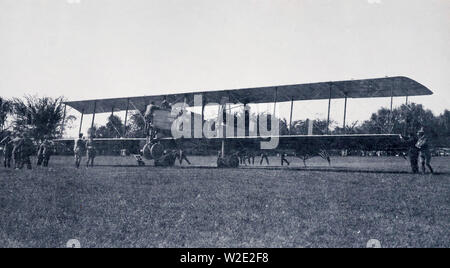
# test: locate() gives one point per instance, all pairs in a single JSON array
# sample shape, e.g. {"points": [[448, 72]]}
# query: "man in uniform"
{"points": [[166, 105], [413, 154], [27, 149], [264, 156], [17, 151], [90, 152], [424, 148], [283, 159], [251, 157], [181, 155], [48, 153], [241, 154], [78, 149], [7, 151], [44, 153], [150, 131], [40, 152]]}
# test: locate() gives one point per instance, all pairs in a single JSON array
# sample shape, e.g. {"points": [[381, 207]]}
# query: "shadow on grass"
{"points": [[315, 169]]}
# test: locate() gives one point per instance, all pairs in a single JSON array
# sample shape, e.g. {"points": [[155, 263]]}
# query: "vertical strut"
{"points": [[126, 117], [81, 122], [290, 117], [93, 115], [391, 111], [329, 110], [345, 114], [407, 96], [275, 101], [64, 120]]}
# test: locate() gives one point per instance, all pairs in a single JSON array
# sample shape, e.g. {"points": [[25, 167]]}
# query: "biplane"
{"points": [[161, 122]]}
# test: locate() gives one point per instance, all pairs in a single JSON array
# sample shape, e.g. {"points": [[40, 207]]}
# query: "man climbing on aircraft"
{"points": [[150, 131], [166, 105]]}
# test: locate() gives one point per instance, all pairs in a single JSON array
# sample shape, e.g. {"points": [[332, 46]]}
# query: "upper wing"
{"points": [[366, 88]]}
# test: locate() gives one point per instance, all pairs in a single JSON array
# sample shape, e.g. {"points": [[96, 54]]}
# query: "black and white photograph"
{"points": [[225, 129]]}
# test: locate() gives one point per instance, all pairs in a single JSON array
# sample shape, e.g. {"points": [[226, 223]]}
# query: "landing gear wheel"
{"points": [[153, 151], [157, 150]]}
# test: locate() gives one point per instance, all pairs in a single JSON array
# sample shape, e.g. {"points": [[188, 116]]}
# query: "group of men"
{"points": [[81, 146], [249, 156], [17, 152], [419, 147]]}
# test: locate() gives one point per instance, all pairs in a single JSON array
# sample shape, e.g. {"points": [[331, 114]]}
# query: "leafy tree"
{"points": [[349, 129], [41, 117], [382, 122], [136, 127], [114, 128], [405, 120], [5, 110], [442, 128]]}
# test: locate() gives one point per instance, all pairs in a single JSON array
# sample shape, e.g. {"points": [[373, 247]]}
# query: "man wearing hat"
{"points": [[181, 155], [91, 152], [423, 146], [78, 149], [27, 151], [44, 153], [17, 151], [7, 151]]}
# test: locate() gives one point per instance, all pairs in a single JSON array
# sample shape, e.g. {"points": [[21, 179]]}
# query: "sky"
{"points": [[88, 49]]}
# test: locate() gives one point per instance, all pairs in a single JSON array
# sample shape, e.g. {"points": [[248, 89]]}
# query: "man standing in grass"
{"points": [[17, 151], [264, 156], [24, 150], [283, 159], [413, 154], [78, 150], [44, 153], [91, 151], [7, 151], [423, 146], [251, 157], [181, 155]]}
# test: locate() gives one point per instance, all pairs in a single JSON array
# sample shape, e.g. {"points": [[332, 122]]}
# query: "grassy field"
{"points": [[119, 205]]}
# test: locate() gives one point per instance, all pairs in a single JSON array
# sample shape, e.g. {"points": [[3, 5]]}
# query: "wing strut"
{"points": [[329, 110], [126, 117], [345, 114], [275, 101], [407, 96], [64, 120], [81, 122], [290, 117], [93, 115]]}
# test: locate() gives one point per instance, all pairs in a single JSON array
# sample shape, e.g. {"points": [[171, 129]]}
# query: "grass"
{"points": [[115, 205]]}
